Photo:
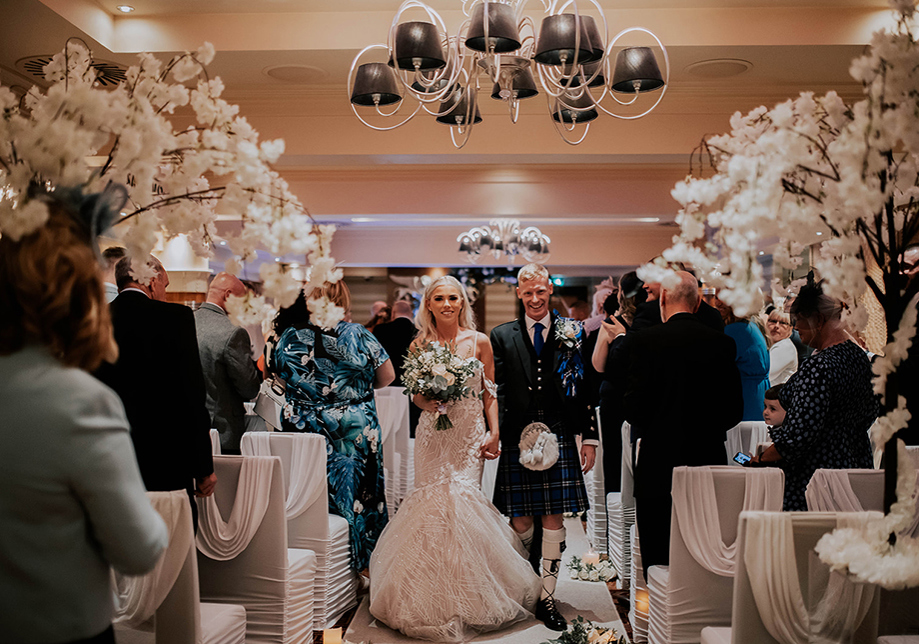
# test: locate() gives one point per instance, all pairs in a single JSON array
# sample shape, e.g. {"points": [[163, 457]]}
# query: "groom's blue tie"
{"points": [[537, 337]]}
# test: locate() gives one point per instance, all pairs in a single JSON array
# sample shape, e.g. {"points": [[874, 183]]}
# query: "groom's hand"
{"points": [[588, 457]]}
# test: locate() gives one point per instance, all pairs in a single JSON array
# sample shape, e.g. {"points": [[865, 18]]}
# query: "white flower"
{"points": [[358, 507]]}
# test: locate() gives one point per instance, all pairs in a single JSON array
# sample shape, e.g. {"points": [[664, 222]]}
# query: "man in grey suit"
{"points": [[230, 375]]}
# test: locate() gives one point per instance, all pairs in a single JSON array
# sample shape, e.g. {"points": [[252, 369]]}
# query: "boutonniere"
{"points": [[567, 332]]}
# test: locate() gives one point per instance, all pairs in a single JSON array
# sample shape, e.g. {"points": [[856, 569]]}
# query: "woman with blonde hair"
{"points": [[330, 376], [489, 583], [72, 502], [783, 357]]}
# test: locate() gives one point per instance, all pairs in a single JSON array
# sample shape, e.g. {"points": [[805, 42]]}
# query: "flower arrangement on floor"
{"points": [[77, 135], [601, 571], [437, 372], [582, 631], [811, 166]]}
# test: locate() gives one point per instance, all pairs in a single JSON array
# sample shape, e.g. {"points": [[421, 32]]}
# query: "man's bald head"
{"points": [[683, 297], [401, 309], [222, 286]]}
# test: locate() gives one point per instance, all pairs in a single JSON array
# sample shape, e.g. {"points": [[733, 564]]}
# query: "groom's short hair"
{"points": [[532, 272]]}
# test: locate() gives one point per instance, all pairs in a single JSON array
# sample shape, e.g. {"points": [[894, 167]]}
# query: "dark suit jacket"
{"points": [[158, 377], [396, 336], [683, 390], [230, 375], [521, 388]]}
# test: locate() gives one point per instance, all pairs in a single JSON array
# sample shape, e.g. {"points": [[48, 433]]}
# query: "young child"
{"points": [[773, 413]]}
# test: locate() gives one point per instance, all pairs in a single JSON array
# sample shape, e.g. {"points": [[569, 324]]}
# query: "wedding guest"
{"points": [[783, 357], [773, 412], [908, 371], [752, 358], [579, 311], [230, 375], [396, 336], [671, 368], [379, 314], [159, 380], [330, 376], [110, 257], [631, 295], [829, 402], [604, 290], [72, 502]]}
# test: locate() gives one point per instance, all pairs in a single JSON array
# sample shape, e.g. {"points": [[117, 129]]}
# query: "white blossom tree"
{"points": [[175, 178], [815, 164]]}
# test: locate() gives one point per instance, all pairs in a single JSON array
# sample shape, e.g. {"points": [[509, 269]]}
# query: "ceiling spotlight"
{"points": [[277, 259], [223, 243], [762, 252], [125, 8], [819, 234]]}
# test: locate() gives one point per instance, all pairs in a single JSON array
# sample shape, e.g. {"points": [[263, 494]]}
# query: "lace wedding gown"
{"points": [[448, 565]]}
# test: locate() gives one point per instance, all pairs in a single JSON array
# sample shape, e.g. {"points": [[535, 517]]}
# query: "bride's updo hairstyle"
{"points": [[424, 319]]}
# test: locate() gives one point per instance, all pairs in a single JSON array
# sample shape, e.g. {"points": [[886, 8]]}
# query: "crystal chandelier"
{"points": [[499, 47], [503, 238]]}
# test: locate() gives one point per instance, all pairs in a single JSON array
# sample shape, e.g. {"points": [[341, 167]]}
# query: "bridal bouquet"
{"points": [[438, 373]]}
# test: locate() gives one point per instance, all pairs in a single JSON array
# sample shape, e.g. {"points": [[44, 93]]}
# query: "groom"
{"points": [[539, 371]]}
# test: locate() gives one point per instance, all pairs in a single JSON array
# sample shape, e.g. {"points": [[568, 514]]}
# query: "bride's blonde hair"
{"points": [[424, 319]]}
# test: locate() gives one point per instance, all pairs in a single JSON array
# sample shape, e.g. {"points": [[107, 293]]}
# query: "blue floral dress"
{"points": [[329, 379]]}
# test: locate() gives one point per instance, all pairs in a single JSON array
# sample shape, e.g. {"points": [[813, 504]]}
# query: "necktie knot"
{"points": [[537, 337]]}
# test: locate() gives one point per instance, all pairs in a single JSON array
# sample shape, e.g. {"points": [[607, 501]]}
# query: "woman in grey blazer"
{"points": [[72, 502]]}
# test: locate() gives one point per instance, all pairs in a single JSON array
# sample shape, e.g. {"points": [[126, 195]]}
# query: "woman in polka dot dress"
{"points": [[830, 402]]}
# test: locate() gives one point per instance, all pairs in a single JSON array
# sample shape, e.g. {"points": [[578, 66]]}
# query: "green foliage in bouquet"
{"points": [[435, 371]]}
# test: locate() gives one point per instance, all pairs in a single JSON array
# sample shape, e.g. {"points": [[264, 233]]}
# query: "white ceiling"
{"points": [[286, 65]]}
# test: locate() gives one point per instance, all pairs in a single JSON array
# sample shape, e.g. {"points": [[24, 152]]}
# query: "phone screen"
{"points": [[742, 458]]}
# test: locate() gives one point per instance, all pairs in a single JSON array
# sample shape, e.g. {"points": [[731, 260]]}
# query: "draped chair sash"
{"points": [[224, 540], [307, 466], [770, 560], [696, 508], [137, 598]]}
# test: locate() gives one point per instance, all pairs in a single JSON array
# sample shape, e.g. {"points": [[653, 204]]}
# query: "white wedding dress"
{"points": [[448, 565]]}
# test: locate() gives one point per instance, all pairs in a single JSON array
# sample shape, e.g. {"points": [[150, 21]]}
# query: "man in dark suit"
{"points": [[230, 374], [158, 377], [397, 335], [683, 389], [539, 372]]}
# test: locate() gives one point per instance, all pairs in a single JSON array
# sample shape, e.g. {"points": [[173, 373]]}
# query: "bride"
{"points": [[448, 565]]}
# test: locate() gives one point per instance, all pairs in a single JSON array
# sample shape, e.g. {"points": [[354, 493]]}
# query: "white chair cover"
{"points": [[744, 437], [302, 486], [707, 502], [314, 528], [638, 591], [215, 441], [274, 583], [595, 484], [223, 540], [698, 512], [858, 491], [395, 439], [621, 514], [783, 593], [163, 606]]}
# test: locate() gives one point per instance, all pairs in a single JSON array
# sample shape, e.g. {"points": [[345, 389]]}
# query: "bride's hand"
{"points": [[490, 448], [425, 403]]}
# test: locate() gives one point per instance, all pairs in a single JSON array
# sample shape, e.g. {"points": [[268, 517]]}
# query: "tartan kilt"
{"points": [[520, 492]]}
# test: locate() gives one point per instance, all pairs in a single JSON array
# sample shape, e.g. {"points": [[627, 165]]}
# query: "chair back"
{"points": [[784, 594], [707, 502], [242, 543], [215, 442], [303, 469], [744, 437], [393, 412], [167, 596]]}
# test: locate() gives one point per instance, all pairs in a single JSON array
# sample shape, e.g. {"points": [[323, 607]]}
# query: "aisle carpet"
{"points": [[591, 600]]}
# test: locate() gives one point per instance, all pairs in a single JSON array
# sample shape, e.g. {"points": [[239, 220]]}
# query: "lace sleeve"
{"points": [[490, 387]]}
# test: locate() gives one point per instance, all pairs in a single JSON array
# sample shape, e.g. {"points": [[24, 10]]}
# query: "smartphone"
{"points": [[742, 458]]}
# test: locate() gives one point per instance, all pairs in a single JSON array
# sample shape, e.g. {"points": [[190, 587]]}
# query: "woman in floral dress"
{"points": [[330, 378]]}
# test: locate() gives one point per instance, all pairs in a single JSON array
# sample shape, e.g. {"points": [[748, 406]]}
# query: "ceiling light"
{"points": [[819, 233], [125, 8], [503, 238], [649, 220], [762, 252], [361, 220], [499, 49]]}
